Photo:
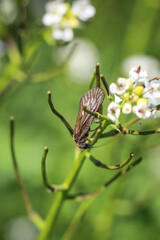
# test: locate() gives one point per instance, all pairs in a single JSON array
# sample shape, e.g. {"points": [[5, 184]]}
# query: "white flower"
{"points": [[127, 108], [150, 63], [123, 85], [113, 111], [117, 99], [134, 76], [64, 34], [54, 12], [83, 10], [142, 111], [152, 90]]}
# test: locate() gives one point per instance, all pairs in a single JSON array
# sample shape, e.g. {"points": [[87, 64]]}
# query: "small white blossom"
{"points": [[152, 90], [137, 77], [117, 99], [113, 111], [54, 12], [64, 17], [123, 85], [150, 63], [142, 111], [127, 108], [65, 34], [83, 10]]}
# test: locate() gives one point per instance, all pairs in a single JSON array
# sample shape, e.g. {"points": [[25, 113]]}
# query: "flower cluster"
{"points": [[63, 17], [136, 94]]}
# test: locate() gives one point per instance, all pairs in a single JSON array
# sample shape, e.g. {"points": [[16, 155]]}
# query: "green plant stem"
{"points": [[52, 188], [135, 132], [61, 196], [35, 218], [77, 219], [115, 132], [98, 75], [81, 197], [97, 163], [58, 114]]}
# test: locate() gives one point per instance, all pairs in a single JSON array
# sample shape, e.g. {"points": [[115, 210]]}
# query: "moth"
{"points": [[93, 100]]}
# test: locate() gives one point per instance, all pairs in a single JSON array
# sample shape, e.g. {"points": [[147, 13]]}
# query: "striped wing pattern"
{"points": [[93, 99]]}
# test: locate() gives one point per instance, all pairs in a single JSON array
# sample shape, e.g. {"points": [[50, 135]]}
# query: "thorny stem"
{"points": [[58, 114], [97, 163], [36, 219]]}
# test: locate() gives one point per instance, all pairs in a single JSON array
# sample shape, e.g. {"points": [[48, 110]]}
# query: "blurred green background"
{"points": [[130, 207]]}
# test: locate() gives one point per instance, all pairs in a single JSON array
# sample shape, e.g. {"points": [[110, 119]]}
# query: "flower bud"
{"points": [[126, 96], [142, 101], [138, 90]]}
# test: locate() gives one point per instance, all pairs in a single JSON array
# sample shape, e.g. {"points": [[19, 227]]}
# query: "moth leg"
{"points": [[97, 163]]}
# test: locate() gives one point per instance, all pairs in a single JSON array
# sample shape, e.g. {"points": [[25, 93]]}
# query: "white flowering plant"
{"points": [[131, 95], [63, 17], [136, 94]]}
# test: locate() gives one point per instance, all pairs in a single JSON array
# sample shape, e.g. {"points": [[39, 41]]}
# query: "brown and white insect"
{"points": [[93, 100]]}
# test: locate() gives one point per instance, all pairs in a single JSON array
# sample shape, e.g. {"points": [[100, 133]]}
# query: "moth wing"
{"points": [[93, 100]]}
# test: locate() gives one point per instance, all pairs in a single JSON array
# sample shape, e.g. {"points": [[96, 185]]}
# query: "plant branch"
{"points": [[92, 80], [53, 188], [76, 220], [81, 197], [115, 132], [97, 163], [96, 114], [105, 83], [98, 75], [61, 196], [135, 132], [36, 219], [58, 114]]}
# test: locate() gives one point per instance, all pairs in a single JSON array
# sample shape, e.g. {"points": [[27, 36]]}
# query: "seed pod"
{"points": [[93, 100]]}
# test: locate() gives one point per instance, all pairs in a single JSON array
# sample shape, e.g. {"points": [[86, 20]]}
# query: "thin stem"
{"points": [[115, 132], [135, 132], [53, 188], [131, 122], [58, 114], [105, 83], [92, 80], [81, 197], [76, 220], [98, 75], [61, 196], [96, 114], [37, 220], [97, 163]]}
